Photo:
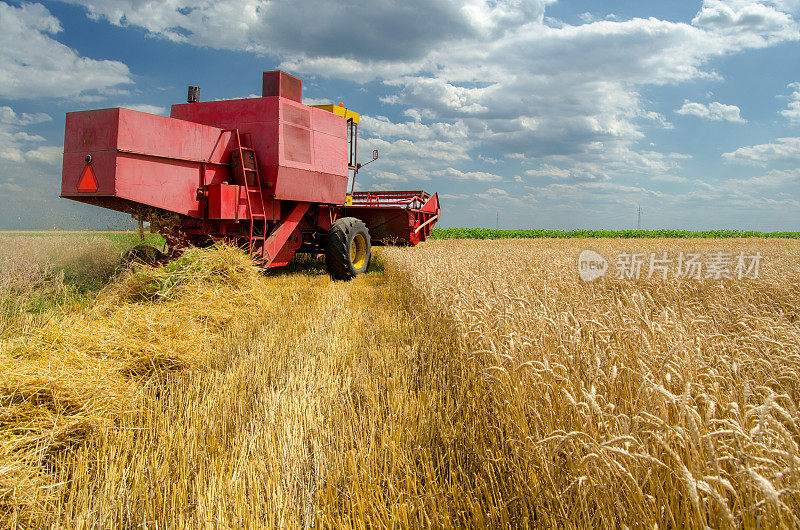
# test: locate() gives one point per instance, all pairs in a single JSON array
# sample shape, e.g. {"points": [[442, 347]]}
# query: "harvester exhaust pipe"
{"points": [[194, 94]]}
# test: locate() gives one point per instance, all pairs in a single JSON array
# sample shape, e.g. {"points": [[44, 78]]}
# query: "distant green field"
{"points": [[488, 233], [122, 238], [127, 239]]}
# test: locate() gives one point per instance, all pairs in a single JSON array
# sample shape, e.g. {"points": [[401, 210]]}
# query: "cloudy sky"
{"points": [[539, 113]]}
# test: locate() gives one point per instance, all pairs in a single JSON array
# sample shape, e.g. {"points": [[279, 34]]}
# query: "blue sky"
{"points": [[564, 114]]}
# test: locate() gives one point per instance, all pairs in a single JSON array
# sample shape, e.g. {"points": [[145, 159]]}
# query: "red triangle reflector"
{"points": [[88, 182]]}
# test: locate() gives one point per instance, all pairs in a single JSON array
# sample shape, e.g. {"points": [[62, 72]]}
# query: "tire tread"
{"points": [[337, 249]]}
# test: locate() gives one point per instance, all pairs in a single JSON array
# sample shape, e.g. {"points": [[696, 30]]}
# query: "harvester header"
{"points": [[269, 174]]}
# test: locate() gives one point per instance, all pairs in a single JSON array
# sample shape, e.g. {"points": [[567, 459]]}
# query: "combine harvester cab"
{"points": [[268, 174]]}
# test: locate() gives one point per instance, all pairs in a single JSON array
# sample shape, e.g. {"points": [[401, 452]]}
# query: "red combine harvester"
{"points": [[268, 174]]}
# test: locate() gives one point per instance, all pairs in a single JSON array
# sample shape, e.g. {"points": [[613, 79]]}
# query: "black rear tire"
{"points": [[348, 249]]}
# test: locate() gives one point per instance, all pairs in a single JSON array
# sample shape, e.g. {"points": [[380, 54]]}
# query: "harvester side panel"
{"points": [[140, 158], [302, 150], [228, 202]]}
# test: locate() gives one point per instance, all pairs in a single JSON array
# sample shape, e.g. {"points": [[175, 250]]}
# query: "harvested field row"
{"points": [[204, 392]]}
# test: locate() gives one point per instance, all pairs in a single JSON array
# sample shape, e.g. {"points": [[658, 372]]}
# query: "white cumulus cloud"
{"points": [[9, 117], [748, 23], [360, 29], [479, 176], [33, 64], [781, 150], [792, 110], [20, 147], [714, 111]]}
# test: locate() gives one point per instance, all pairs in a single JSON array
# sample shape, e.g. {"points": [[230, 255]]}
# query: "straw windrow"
{"points": [[85, 371]]}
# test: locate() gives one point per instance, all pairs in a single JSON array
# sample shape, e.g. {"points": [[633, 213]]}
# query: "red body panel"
{"points": [[302, 150], [285, 239], [223, 200], [277, 83], [142, 158]]}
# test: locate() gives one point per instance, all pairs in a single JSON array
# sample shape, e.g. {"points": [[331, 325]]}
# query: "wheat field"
{"points": [[672, 402], [461, 383]]}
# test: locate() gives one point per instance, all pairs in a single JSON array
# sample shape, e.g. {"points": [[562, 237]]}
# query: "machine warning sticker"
{"points": [[88, 182]]}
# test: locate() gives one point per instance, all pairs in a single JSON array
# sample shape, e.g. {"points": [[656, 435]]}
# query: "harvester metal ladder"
{"points": [[245, 172]]}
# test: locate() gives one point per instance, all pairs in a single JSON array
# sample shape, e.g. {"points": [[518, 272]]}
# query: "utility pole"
{"points": [[639, 222], [498, 219]]}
